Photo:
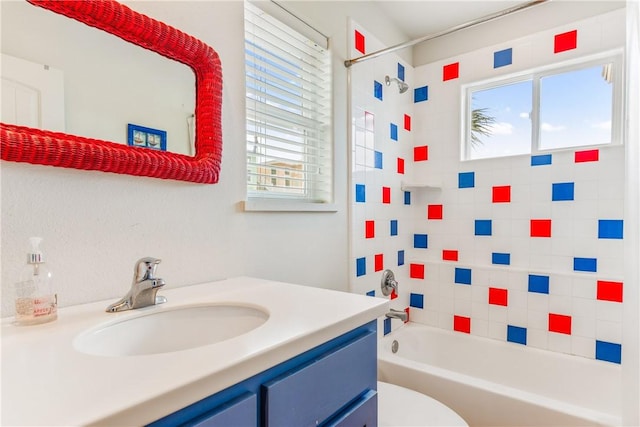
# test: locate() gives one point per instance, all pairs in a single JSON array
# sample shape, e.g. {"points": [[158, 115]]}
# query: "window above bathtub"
{"points": [[573, 104], [288, 105]]}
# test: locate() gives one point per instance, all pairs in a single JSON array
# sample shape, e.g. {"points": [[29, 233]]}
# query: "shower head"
{"points": [[402, 86]]}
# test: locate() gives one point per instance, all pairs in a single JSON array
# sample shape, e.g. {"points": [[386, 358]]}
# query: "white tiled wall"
{"points": [[577, 312]]}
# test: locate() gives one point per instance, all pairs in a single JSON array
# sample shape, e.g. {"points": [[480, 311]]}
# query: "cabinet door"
{"points": [[316, 391], [240, 412], [363, 413]]}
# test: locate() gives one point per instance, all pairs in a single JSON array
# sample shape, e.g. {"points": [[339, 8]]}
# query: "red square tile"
{"points": [[498, 296], [586, 156], [400, 165], [408, 311], [462, 324], [407, 122], [393, 295], [565, 41], [359, 41], [540, 228], [502, 194], [421, 153], [378, 262], [416, 271], [434, 212], [560, 323], [451, 71], [386, 195], [609, 291], [449, 255], [369, 229]]}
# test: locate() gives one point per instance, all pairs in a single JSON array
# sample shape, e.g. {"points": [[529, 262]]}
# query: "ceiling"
{"points": [[421, 18]]}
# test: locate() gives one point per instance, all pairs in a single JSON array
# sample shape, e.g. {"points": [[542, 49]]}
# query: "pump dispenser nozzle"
{"points": [[35, 255]]}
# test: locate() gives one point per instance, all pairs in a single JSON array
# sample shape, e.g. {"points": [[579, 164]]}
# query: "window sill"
{"points": [[268, 205]]}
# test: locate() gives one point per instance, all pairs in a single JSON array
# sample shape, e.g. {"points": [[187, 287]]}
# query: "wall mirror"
{"points": [[84, 150]]}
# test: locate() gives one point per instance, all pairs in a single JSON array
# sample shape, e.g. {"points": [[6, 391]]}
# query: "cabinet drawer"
{"points": [[316, 391], [240, 412], [363, 413]]}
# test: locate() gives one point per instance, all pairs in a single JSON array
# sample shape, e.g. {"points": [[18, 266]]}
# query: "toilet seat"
{"points": [[399, 406]]}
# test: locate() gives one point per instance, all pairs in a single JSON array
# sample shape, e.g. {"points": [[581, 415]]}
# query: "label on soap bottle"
{"points": [[45, 305], [33, 309]]}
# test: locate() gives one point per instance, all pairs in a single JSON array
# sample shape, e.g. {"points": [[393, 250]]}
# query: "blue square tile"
{"points": [[483, 227], [394, 131], [610, 228], [420, 241], [393, 225], [361, 267], [360, 193], [400, 71], [377, 90], [416, 300], [542, 159], [500, 258], [371, 293], [421, 94], [407, 197], [502, 58], [387, 325], [400, 258], [562, 191], [517, 334], [585, 264], [538, 284], [466, 179], [462, 276], [378, 159], [609, 352]]}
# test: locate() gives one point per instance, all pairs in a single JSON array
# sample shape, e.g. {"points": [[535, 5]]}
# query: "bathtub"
{"points": [[494, 383]]}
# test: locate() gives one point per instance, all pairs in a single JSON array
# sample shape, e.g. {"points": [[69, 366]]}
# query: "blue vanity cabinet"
{"points": [[363, 412], [242, 411], [315, 391], [333, 384]]}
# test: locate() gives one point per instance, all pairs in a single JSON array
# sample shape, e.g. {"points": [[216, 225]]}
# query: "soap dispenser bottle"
{"points": [[36, 301]]}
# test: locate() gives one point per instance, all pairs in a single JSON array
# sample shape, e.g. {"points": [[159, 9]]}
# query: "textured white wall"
{"points": [[96, 225]]}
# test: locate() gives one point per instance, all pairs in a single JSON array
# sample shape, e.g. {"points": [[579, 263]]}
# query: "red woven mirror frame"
{"points": [[23, 144]]}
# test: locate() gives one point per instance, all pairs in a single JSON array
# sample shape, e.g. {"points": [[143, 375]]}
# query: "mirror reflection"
{"points": [[107, 83]]}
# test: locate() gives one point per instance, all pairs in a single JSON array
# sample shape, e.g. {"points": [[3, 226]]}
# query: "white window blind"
{"points": [[288, 97]]}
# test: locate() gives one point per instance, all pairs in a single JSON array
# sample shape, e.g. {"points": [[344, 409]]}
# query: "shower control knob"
{"points": [[388, 283]]}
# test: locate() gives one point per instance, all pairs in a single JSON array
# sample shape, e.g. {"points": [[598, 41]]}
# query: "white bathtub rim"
{"points": [[594, 416]]}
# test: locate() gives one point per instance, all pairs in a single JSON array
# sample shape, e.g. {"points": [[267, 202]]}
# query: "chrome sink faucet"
{"points": [[143, 289]]}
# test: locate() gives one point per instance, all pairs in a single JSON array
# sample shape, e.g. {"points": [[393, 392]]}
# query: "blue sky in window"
{"points": [[510, 106], [576, 110]]}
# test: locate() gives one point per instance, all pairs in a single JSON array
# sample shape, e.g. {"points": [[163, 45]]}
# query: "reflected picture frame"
{"points": [[141, 136]]}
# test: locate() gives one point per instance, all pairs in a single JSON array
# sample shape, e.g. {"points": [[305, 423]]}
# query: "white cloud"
{"points": [[602, 125], [502, 128], [548, 127], [524, 115]]}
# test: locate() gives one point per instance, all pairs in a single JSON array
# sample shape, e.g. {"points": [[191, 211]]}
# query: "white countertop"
{"points": [[46, 382]]}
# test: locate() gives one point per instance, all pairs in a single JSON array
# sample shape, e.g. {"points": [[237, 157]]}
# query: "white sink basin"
{"points": [[172, 329]]}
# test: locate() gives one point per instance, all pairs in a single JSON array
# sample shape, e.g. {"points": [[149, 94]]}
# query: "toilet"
{"points": [[399, 406]]}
